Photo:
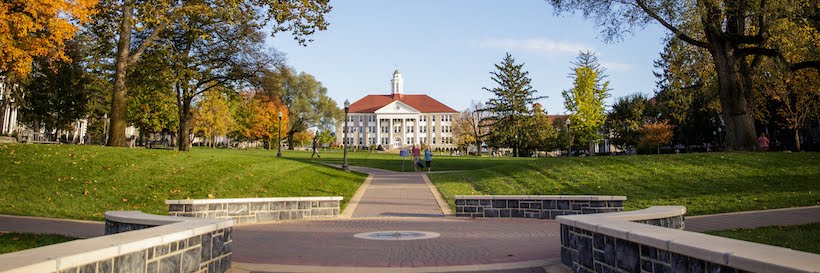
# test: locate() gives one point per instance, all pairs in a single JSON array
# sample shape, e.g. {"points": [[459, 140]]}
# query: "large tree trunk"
{"points": [[290, 140], [797, 140], [116, 135], [185, 125], [734, 93]]}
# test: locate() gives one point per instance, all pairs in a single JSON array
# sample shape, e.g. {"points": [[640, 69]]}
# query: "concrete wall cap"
{"points": [[743, 255], [543, 197], [251, 200]]}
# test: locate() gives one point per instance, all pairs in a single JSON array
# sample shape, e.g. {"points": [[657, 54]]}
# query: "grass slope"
{"points": [[393, 162], [11, 242], [704, 183], [81, 182], [800, 237]]}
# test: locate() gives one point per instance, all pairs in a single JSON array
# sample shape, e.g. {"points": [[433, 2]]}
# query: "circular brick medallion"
{"points": [[397, 235]]}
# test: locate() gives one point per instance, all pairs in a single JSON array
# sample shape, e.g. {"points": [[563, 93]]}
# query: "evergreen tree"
{"points": [[509, 108], [586, 98]]}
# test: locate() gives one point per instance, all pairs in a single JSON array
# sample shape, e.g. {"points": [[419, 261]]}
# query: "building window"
{"points": [[434, 139], [434, 118], [423, 140], [434, 128], [423, 118]]}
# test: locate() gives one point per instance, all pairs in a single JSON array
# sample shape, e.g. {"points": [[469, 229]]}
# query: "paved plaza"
{"points": [[392, 201]]}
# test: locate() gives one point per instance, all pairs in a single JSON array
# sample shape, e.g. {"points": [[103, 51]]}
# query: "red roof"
{"points": [[423, 103]]}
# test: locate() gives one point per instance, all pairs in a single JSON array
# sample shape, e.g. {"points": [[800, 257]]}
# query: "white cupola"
{"points": [[396, 82]]}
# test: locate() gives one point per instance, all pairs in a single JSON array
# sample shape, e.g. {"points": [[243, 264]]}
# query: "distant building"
{"points": [[398, 120]]}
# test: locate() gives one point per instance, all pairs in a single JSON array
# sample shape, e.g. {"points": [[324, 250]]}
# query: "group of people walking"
{"points": [[418, 165]]}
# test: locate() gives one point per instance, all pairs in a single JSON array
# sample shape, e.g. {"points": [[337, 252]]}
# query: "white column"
{"points": [[390, 133], [378, 132], [403, 131], [416, 131]]}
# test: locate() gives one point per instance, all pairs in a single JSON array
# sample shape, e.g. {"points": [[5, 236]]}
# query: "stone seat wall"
{"points": [[257, 210], [535, 206]]}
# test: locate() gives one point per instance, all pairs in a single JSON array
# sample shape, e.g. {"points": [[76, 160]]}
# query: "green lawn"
{"points": [[393, 162], [704, 183], [800, 237], [82, 182], [11, 242]]}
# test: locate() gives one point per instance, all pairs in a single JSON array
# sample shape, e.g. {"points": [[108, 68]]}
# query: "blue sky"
{"points": [[447, 49]]}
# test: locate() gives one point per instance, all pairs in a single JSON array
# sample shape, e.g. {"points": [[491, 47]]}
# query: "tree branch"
{"points": [[678, 33], [805, 65]]}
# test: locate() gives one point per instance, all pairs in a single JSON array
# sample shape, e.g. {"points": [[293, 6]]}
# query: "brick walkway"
{"points": [[398, 194]]}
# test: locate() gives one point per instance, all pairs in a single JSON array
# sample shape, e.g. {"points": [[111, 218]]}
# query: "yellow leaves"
{"points": [[23, 34], [211, 196]]}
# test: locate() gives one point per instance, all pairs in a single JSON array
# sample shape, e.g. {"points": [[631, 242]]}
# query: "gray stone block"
{"points": [[89, 268], [105, 266], [513, 204], [190, 260], [152, 267], [219, 206], [304, 204], [70, 270], [130, 263], [291, 205], [169, 264], [188, 208], [470, 209], [627, 256], [517, 213], [485, 203], [206, 247], [267, 216], [161, 250], [472, 202], [284, 215], [563, 204], [200, 207], [277, 205], [238, 209], [176, 208], [460, 202], [217, 246], [260, 206], [504, 213], [493, 213]]}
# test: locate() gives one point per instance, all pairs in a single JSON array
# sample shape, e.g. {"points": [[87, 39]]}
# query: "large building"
{"points": [[397, 120]]}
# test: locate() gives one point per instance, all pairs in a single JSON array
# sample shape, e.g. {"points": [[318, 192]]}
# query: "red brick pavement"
{"points": [[397, 194], [462, 242]]}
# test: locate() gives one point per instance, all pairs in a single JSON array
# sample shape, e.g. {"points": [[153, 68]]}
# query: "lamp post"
{"points": [[344, 141], [279, 137], [569, 138], [105, 129]]}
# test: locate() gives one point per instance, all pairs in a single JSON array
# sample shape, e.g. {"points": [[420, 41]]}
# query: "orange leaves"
{"points": [[23, 34], [656, 133]]}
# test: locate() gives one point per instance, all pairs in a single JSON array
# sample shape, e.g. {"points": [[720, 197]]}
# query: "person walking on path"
{"points": [[315, 148], [428, 158], [763, 142], [416, 157]]}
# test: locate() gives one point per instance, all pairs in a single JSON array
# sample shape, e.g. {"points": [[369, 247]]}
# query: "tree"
{"points": [[266, 121], [735, 33], [243, 114], [305, 97], [795, 97], [148, 20], [586, 98], [55, 94], [38, 29], [626, 118], [468, 127], [151, 100], [540, 132], [654, 134], [508, 109], [212, 115]]}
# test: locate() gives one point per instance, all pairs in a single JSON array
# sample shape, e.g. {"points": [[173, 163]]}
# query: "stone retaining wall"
{"points": [[257, 210], [616, 242], [535, 206], [170, 245]]}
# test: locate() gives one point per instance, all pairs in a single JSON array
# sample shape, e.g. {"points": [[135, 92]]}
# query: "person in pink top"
{"points": [[763, 142], [416, 155]]}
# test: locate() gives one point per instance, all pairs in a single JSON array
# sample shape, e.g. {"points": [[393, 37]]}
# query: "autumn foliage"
{"points": [[654, 134], [30, 29]]}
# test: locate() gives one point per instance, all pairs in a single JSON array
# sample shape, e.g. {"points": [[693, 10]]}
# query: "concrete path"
{"points": [[393, 194], [73, 228], [753, 219]]}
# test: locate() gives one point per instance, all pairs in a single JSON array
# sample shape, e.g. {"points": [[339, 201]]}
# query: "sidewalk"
{"points": [[394, 194], [67, 227], [753, 219]]}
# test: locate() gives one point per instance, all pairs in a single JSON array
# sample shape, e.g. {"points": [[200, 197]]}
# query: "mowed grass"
{"points": [[800, 237], [11, 242], [82, 182], [393, 162], [705, 183]]}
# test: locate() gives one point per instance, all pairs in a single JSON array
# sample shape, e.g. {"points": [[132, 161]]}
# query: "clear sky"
{"points": [[447, 49]]}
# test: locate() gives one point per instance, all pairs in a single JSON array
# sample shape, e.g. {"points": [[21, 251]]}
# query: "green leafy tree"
{"points": [[626, 118], [306, 99], [151, 100], [586, 98], [540, 133], [137, 25], [508, 109], [55, 94], [213, 115], [735, 33]]}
